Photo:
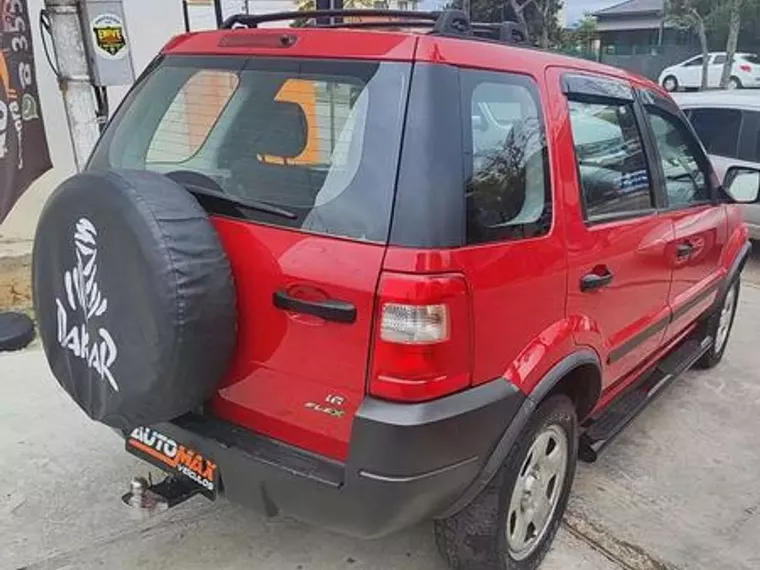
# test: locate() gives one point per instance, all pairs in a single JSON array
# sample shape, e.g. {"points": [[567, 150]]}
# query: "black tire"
{"points": [[670, 83], [735, 83], [715, 354], [476, 537], [16, 331], [134, 297]]}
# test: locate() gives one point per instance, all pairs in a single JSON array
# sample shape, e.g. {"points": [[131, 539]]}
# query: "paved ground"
{"points": [[679, 490]]}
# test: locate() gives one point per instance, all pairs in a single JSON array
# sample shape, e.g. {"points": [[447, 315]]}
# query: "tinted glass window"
{"points": [[318, 139], [718, 129], [611, 161], [695, 61], [751, 58], [507, 186], [685, 181], [719, 59]]}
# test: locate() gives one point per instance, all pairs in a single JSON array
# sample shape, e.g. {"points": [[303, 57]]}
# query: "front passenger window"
{"points": [[611, 163], [685, 181]]}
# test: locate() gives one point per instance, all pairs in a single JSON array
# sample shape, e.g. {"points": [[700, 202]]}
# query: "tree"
{"points": [[310, 5], [735, 24], [693, 15], [582, 37], [538, 16]]}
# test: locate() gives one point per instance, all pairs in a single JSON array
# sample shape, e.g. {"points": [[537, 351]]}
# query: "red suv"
{"points": [[370, 277]]}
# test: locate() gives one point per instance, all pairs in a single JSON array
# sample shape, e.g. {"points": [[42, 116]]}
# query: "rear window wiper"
{"points": [[245, 203]]}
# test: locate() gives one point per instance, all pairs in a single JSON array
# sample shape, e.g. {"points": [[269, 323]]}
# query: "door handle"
{"points": [[594, 281], [331, 310], [684, 249]]}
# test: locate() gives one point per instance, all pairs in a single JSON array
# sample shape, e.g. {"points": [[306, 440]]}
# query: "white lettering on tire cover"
{"points": [[84, 303]]}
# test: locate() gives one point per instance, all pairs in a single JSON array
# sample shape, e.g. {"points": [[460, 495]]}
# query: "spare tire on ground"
{"points": [[16, 331], [134, 297]]}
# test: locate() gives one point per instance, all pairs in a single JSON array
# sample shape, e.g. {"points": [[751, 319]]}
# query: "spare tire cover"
{"points": [[134, 297]]}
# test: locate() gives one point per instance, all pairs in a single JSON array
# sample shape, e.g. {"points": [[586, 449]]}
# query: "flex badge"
{"points": [[110, 36]]}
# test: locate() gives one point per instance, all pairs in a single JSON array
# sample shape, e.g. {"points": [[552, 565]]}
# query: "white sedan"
{"points": [[688, 74]]}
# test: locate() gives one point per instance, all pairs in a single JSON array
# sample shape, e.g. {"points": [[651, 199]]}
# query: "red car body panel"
{"points": [[339, 44], [527, 310], [285, 361]]}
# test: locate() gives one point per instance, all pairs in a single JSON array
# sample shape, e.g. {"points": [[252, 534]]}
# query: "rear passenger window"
{"points": [[611, 161], [718, 129], [507, 188]]}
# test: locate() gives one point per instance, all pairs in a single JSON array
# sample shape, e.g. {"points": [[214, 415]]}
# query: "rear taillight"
{"points": [[746, 68], [422, 347]]}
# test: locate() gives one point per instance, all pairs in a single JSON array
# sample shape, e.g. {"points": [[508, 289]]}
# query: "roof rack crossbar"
{"points": [[449, 22], [252, 20]]}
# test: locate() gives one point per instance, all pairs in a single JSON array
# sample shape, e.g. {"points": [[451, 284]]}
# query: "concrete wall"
{"points": [[150, 23]]}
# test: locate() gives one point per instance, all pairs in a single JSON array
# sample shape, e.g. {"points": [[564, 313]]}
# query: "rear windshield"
{"points": [[751, 58], [311, 145]]}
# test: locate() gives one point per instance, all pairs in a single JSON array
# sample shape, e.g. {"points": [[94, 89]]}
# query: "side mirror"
{"points": [[743, 184]]}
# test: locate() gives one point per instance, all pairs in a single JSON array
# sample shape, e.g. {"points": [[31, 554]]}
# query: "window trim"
{"points": [[696, 146], [590, 93]]}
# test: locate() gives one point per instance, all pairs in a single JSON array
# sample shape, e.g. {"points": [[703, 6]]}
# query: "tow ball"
{"points": [[148, 498]]}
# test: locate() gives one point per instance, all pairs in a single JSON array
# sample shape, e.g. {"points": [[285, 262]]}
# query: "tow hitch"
{"points": [[149, 499]]}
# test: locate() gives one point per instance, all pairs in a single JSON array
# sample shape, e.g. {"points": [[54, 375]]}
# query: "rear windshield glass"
{"points": [[751, 58], [310, 145]]}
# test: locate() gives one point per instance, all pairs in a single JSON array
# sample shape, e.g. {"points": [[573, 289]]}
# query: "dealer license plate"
{"points": [[176, 458]]}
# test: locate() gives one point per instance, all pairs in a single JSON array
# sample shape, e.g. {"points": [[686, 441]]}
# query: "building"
{"points": [[638, 27]]}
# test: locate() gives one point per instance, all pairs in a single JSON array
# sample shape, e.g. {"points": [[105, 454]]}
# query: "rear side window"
{"points": [[719, 130], [506, 163], [720, 59], [611, 161], [318, 140]]}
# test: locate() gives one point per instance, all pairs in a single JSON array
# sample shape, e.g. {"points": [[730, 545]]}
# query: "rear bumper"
{"points": [[406, 462]]}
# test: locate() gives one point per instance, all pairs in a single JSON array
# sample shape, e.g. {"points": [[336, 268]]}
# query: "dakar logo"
{"points": [[85, 300]]}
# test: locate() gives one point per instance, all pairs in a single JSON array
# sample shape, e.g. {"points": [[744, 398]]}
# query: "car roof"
{"points": [[385, 45], [725, 99]]}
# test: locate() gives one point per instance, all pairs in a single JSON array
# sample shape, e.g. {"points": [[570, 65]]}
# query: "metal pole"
{"points": [[466, 7], [218, 13], [186, 15], [74, 77]]}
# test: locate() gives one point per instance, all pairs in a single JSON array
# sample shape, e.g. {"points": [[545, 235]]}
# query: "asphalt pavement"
{"points": [[678, 490]]}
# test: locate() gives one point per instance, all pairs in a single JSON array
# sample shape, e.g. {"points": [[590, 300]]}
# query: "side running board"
{"points": [[602, 429]]}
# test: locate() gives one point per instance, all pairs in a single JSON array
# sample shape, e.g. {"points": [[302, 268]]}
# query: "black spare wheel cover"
{"points": [[134, 296], [16, 331]]}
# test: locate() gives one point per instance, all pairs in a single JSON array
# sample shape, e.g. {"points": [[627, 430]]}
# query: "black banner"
{"points": [[24, 154]]}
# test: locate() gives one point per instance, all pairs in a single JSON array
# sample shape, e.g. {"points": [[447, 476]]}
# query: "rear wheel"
{"points": [[719, 325], [734, 83], [512, 523], [670, 83]]}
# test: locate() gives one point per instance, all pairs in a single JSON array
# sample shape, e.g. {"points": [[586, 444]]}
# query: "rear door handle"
{"points": [[594, 281], [336, 311], [684, 249]]}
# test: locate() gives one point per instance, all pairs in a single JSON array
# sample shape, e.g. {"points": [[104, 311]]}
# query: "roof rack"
{"points": [[454, 23]]}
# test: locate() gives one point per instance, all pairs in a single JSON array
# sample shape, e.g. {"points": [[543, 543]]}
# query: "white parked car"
{"points": [[728, 123], [688, 74]]}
